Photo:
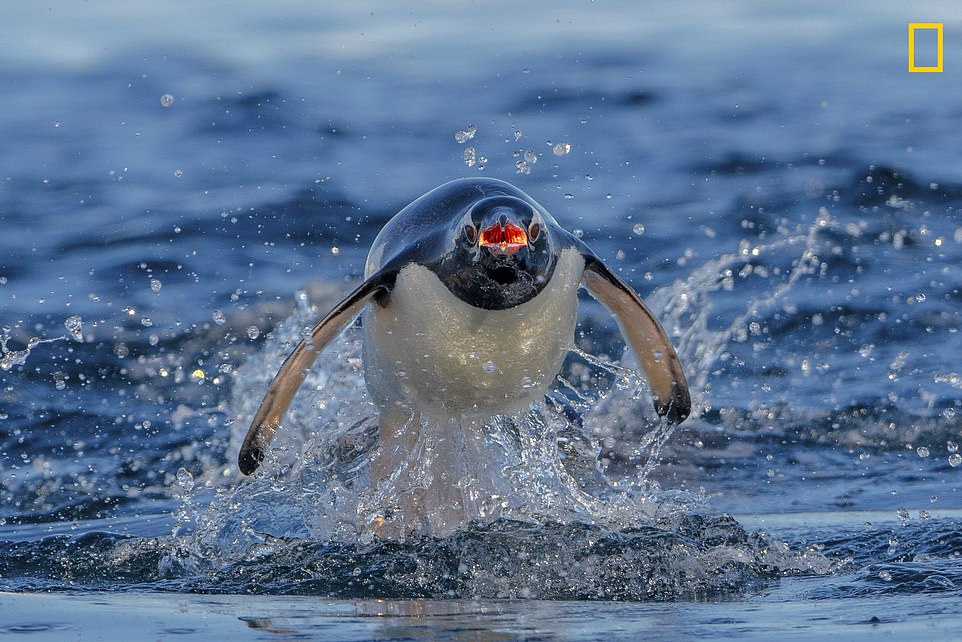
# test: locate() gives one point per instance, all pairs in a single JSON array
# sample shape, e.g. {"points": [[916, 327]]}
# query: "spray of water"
{"points": [[620, 418], [10, 357], [505, 480], [541, 465]]}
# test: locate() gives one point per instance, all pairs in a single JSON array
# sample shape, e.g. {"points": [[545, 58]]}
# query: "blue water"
{"points": [[769, 177]]}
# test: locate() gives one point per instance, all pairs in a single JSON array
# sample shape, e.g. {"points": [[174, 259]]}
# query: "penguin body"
{"points": [[470, 302], [437, 354]]}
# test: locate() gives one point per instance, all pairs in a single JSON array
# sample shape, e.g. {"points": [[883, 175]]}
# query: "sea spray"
{"points": [[525, 485]]}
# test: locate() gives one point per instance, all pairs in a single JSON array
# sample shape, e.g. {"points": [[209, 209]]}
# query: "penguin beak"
{"points": [[503, 238]]}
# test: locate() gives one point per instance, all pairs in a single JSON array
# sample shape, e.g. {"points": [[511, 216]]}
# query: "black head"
{"points": [[502, 254]]}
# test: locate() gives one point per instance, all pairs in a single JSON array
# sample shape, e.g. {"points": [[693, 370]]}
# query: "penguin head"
{"points": [[501, 253]]}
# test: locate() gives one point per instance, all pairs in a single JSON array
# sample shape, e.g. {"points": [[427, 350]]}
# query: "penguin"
{"points": [[469, 304]]}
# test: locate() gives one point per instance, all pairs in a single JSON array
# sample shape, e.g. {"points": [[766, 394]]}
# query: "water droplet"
{"points": [[335, 250], [185, 479], [74, 325], [253, 332], [198, 374], [469, 156], [59, 380], [464, 135], [922, 451], [178, 173], [899, 361], [903, 514], [146, 322], [638, 229], [490, 366], [13, 358], [568, 196], [578, 232], [218, 317], [526, 382], [952, 446], [955, 459], [166, 100], [155, 285], [518, 134], [522, 167], [885, 576], [530, 156], [302, 301], [561, 149]]}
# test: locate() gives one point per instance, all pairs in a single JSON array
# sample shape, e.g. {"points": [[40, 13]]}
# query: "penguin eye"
{"points": [[470, 233], [534, 231]]}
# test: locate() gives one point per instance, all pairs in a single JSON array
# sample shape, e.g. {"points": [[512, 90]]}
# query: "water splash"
{"points": [[685, 307], [10, 358], [513, 487], [521, 506], [464, 135], [536, 466], [620, 417], [74, 325]]}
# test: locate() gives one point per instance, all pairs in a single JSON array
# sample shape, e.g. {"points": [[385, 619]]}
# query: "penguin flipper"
{"points": [[294, 369], [645, 335]]}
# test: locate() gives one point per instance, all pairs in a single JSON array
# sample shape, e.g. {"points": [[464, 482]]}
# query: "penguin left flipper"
{"points": [[294, 369], [645, 335]]}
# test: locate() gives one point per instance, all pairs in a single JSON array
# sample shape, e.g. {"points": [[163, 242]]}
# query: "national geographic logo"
{"points": [[925, 46]]}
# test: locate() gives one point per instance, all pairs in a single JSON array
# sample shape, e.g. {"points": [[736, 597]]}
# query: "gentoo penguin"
{"points": [[470, 300]]}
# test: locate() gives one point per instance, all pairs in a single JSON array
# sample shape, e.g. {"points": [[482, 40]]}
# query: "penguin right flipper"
{"points": [[294, 369], [645, 335]]}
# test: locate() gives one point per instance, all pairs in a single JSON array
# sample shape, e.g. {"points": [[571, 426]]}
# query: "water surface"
{"points": [[771, 179]]}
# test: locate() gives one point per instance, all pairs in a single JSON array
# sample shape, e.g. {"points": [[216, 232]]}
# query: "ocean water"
{"points": [[184, 189]]}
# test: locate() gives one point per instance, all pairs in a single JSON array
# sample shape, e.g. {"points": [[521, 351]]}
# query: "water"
{"points": [[183, 190]]}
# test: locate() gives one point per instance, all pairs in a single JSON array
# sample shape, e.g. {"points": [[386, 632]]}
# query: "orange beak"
{"points": [[503, 240]]}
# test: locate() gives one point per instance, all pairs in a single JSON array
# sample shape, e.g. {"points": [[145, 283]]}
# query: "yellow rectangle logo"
{"points": [[924, 25]]}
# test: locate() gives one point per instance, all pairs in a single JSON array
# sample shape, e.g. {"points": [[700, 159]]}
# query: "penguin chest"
{"points": [[430, 351]]}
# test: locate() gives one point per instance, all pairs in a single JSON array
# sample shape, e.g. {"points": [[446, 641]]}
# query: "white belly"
{"points": [[435, 354]]}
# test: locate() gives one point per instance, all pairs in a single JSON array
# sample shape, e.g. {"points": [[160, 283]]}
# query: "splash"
{"points": [[533, 505], [619, 417], [685, 307], [492, 497], [10, 357], [535, 466]]}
